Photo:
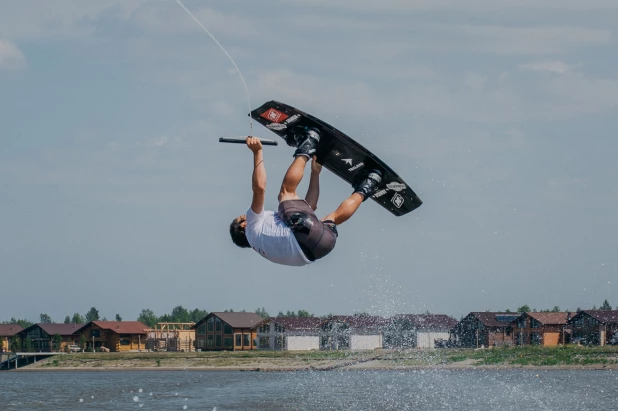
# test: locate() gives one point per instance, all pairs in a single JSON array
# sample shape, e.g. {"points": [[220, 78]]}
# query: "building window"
{"points": [[125, 341], [227, 329], [201, 329], [217, 324], [278, 342], [534, 323], [228, 342], [265, 328], [508, 331], [246, 340], [218, 340], [209, 341], [95, 333], [210, 324], [238, 340]]}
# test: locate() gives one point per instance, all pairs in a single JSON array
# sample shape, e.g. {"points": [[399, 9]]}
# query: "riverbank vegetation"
{"points": [[515, 357]]}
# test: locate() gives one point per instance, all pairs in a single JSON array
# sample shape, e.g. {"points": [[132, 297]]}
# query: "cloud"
{"points": [[550, 66], [11, 58]]}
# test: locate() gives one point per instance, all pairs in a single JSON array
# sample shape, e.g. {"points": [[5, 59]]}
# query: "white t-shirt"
{"points": [[272, 239]]}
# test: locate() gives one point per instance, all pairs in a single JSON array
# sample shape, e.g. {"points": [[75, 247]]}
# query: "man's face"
{"points": [[242, 220]]}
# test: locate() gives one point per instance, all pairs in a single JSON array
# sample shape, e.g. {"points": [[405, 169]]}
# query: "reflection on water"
{"points": [[342, 390]]}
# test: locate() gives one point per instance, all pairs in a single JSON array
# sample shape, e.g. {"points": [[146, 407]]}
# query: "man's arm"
{"points": [[313, 192], [258, 181]]}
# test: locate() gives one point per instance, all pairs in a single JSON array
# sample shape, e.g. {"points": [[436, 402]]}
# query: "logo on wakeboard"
{"points": [[396, 186], [397, 200], [348, 161], [380, 193], [292, 119], [274, 115], [356, 167], [276, 126]]}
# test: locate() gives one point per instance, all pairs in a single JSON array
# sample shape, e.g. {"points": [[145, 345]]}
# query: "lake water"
{"points": [[339, 390]]}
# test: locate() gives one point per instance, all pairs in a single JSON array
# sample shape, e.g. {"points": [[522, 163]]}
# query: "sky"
{"points": [[115, 193]]}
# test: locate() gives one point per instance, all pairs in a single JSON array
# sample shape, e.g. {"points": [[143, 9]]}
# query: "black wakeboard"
{"points": [[341, 155]]}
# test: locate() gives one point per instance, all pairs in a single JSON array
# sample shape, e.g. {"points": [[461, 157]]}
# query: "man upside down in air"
{"points": [[294, 235]]}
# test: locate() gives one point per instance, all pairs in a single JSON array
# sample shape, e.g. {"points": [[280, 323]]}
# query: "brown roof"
{"points": [[60, 329], [495, 319], [604, 316], [551, 318], [235, 320], [360, 321], [301, 323], [9, 330], [121, 327], [428, 320]]}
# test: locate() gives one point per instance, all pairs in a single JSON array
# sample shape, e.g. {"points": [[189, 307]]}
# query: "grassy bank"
{"points": [[569, 356]]}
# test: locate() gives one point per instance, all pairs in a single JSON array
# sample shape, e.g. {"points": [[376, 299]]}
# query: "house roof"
{"points": [[604, 316], [360, 321], [9, 330], [546, 318], [301, 323], [234, 320], [428, 320], [121, 327], [495, 319], [60, 329]]}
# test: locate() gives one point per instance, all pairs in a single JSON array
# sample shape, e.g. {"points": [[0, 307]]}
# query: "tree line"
{"points": [[180, 314]]}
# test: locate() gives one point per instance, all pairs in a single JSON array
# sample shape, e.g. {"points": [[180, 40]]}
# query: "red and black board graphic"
{"points": [[341, 155]]}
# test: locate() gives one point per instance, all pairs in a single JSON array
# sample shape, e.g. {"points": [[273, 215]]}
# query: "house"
{"points": [[227, 331], [171, 337], [547, 329], [484, 329], [292, 334], [418, 330], [45, 337], [7, 331], [594, 326], [116, 336], [353, 332]]}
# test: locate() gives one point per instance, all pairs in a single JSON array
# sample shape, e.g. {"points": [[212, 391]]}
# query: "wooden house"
{"points": [[227, 331], [547, 329], [115, 336], [353, 332], [594, 326], [293, 334], [171, 337], [484, 329], [44, 337], [7, 331], [418, 330]]}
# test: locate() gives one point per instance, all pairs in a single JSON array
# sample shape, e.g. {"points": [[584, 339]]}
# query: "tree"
{"points": [[262, 313], [304, 314], [82, 342], [524, 309], [197, 314], [180, 315], [92, 315], [27, 346], [78, 319], [24, 323], [605, 306], [118, 317], [56, 342], [16, 344], [67, 320], [148, 317], [556, 309], [45, 319]]}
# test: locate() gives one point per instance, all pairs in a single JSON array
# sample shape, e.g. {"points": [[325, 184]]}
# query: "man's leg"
{"points": [[362, 191], [292, 179], [345, 209]]}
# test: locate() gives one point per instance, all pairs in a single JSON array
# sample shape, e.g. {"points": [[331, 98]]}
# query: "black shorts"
{"points": [[316, 238]]}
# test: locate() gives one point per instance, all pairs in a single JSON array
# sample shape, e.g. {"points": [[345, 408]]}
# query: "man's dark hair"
{"points": [[238, 235]]}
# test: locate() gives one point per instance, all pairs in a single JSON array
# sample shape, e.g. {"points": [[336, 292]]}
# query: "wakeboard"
{"points": [[341, 155]]}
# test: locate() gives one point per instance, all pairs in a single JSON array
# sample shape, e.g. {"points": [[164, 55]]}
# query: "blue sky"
{"points": [[115, 193]]}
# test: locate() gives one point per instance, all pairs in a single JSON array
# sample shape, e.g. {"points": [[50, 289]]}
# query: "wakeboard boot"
{"points": [[306, 140], [368, 184]]}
